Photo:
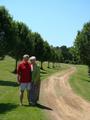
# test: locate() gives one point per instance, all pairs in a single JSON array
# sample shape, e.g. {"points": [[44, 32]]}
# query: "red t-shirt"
{"points": [[24, 71]]}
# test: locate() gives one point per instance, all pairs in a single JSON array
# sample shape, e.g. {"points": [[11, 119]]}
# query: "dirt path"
{"points": [[57, 94]]}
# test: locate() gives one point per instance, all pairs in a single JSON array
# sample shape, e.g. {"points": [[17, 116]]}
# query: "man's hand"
{"points": [[18, 79]]}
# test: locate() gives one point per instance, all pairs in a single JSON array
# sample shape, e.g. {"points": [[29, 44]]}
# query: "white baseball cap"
{"points": [[26, 56]]}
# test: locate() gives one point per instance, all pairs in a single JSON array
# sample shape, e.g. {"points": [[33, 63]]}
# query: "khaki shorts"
{"points": [[24, 86]]}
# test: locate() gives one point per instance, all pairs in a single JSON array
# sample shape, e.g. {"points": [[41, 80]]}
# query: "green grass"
{"points": [[9, 93], [49, 71], [80, 82]]}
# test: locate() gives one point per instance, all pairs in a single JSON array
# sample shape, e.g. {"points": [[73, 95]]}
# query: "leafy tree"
{"points": [[75, 58], [23, 42], [47, 53], [53, 56], [59, 54], [6, 32], [66, 54], [38, 47], [82, 44]]}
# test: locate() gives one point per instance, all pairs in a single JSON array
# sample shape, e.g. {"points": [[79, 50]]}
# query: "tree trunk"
{"points": [[56, 64], [53, 65], [41, 65], [89, 70], [59, 65], [48, 64], [15, 70]]}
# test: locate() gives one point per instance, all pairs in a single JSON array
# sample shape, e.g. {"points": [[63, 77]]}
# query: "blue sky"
{"points": [[56, 20]]}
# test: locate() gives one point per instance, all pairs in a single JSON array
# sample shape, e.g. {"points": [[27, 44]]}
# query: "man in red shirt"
{"points": [[24, 77]]}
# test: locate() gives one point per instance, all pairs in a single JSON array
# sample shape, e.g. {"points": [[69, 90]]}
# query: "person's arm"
{"points": [[31, 70], [38, 75]]}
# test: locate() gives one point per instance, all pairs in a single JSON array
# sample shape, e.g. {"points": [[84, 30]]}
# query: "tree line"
{"points": [[17, 39]]}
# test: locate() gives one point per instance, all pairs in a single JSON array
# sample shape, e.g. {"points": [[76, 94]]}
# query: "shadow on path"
{"points": [[43, 107], [39, 106]]}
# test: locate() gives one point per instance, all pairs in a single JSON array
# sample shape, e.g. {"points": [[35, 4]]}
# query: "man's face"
{"points": [[26, 59], [33, 61]]}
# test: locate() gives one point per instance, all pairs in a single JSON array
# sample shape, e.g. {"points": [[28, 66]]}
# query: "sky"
{"points": [[57, 21]]}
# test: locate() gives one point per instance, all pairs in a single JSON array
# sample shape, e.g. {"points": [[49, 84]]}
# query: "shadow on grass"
{"points": [[50, 68], [87, 80], [43, 107], [6, 107], [43, 72], [8, 83], [43, 69]]}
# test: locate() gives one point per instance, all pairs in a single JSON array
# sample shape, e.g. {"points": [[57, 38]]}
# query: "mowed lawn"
{"points": [[80, 82], [9, 93]]}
